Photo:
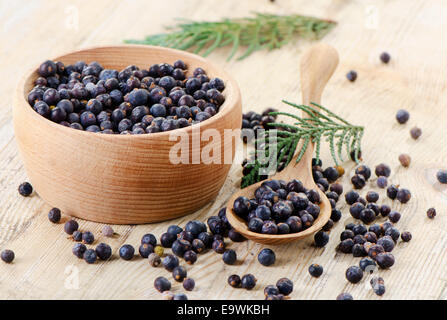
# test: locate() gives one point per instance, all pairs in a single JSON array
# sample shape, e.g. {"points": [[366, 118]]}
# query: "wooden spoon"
{"points": [[317, 66]]}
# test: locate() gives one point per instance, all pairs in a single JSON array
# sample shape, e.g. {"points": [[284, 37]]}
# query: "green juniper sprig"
{"points": [[316, 125], [263, 31]]}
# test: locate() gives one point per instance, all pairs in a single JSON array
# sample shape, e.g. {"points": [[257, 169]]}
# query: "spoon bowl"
{"points": [[317, 66]]}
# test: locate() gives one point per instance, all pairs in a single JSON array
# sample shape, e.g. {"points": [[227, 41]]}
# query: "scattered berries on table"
{"points": [[405, 160], [71, 226], [248, 281], [103, 251], [88, 237], [162, 284], [431, 213], [154, 259], [441, 175], [385, 57], [402, 116], [406, 236], [344, 296], [145, 250], [127, 252], [7, 255], [415, 132], [266, 257], [315, 270], [351, 75], [382, 182], [229, 257], [378, 285], [107, 231], [285, 286], [234, 280], [179, 273], [78, 250], [354, 274], [189, 284], [90, 256], [91, 98], [275, 204], [54, 215]]}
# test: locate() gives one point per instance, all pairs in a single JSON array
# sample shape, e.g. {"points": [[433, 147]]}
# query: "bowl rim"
{"points": [[232, 98]]}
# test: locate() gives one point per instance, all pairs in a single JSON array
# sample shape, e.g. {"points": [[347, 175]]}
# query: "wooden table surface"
{"points": [[413, 32]]}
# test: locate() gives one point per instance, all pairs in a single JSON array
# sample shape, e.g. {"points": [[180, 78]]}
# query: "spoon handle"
{"points": [[317, 66]]}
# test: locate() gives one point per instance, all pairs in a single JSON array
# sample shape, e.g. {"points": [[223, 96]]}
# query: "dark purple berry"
{"points": [[167, 239], [162, 284], [88, 237], [394, 216], [315, 270], [378, 285], [189, 284], [402, 116], [363, 170], [229, 257], [351, 75], [441, 175], [406, 236], [218, 246], [356, 209], [368, 265], [393, 233], [372, 196], [266, 257], [346, 246], [344, 296], [126, 252], [7, 256], [54, 215], [431, 213], [78, 250], [358, 181], [385, 260], [103, 251], [285, 286], [354, 274], [234, 281], [71, 226], [179, 273], [367, 216], [248, 281], [385, 57], [145, 250], [190, 257]]}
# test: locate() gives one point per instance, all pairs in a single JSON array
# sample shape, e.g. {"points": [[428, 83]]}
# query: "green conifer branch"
{"points": [[318, 123], [263, 31]]}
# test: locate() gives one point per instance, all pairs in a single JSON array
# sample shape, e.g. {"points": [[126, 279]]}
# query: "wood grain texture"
{"points": [[126, 179], [411, 31], [317, 66]]}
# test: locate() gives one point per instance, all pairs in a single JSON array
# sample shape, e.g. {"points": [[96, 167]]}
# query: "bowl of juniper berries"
{"points": [[99, 132]]}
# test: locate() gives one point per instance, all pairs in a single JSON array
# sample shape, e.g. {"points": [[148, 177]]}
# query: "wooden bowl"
{"points": [[123, 179]]}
